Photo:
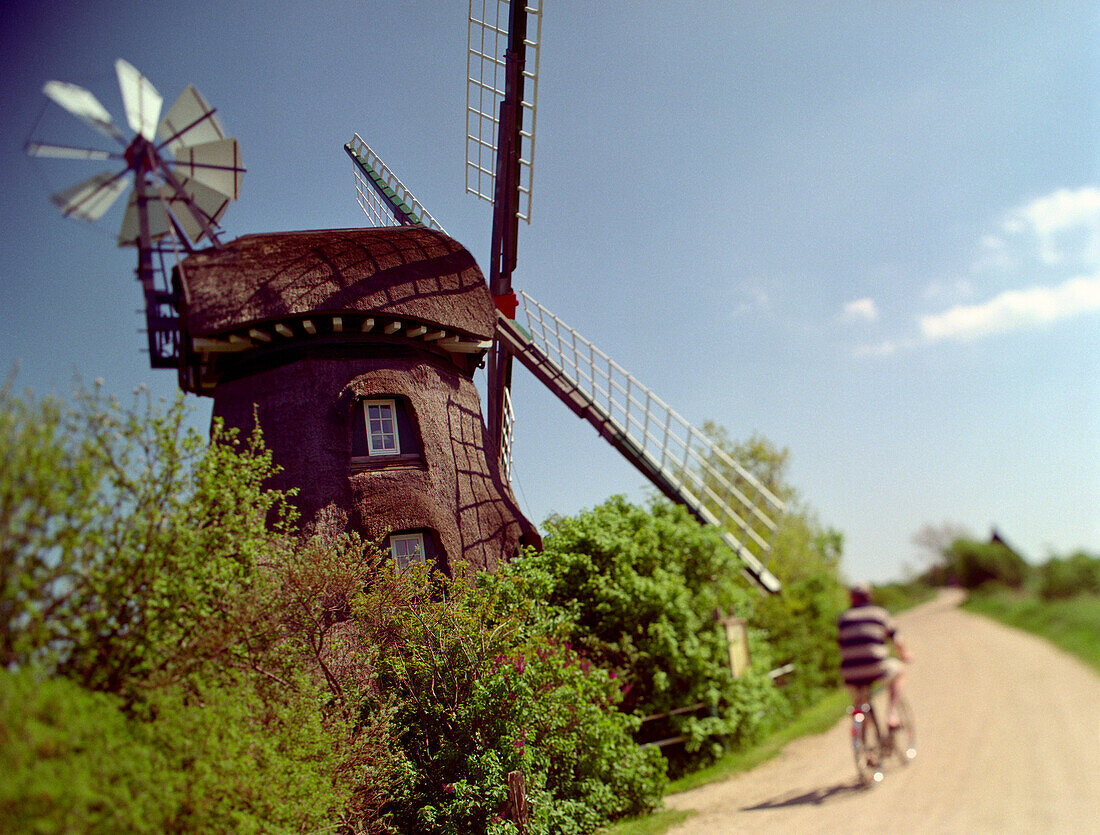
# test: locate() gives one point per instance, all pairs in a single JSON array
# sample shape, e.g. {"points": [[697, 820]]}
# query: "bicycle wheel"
{"points": [[904, 737], [867, 747]]}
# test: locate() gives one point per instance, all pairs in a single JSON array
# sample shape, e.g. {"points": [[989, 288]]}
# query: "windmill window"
{"points": [[382, 432], [406, 548]]}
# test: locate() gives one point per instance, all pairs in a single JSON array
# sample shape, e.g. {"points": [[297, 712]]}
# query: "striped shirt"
{"points": [[862, 632]]}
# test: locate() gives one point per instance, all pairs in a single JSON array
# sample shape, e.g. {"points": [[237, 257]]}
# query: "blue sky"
{"points": [[869, 231]]}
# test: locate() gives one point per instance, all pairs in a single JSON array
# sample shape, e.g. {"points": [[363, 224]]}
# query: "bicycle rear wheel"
{"points": [[866, 747], [904, 737]]}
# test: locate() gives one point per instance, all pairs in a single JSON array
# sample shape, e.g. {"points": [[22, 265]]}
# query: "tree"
{"points": [[800, 621], [976, 564], [151, 585]]}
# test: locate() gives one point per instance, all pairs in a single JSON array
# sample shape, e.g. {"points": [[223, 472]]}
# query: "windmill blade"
{"points": [[682, 462], [82, 104], [193, 197], [49, 151], [214, 164], [488, 40], [140, 98], [189, 121], [90, 199], [382, 197]]}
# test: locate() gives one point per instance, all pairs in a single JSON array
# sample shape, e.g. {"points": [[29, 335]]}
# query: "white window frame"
{"points": [[401, 555], [381, 450]]}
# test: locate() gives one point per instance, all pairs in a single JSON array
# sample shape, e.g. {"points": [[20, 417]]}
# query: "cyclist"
{"points": [[862, 633]]}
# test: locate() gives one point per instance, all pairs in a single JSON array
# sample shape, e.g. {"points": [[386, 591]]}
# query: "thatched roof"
{"points": [[409, 272]]}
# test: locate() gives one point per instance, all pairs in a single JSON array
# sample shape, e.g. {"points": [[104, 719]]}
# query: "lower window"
{"points": [[406, 548]]}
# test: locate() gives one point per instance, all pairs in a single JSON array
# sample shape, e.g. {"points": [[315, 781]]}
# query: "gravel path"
{"points": [[1008, 741]]}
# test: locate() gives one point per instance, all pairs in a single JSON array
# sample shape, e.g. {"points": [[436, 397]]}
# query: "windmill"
{"points": [[680, 460], [355, 349], [182, 185]]}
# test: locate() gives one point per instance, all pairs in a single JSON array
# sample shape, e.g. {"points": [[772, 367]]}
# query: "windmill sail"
{"points": [[486, 74], [677, 458], [382, 196]]}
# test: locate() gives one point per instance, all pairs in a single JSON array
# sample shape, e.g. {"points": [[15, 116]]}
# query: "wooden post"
{"points": [[517, 801]]}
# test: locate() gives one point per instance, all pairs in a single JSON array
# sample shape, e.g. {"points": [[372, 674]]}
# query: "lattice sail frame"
{"points": [[485, 74], [377, 189], [696, 468]]}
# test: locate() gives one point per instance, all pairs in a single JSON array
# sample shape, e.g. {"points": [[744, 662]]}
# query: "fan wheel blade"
{"points": [[214, 164], [159, 224], [90, 199], [210, 204], [82, 104], [44, 149], [189, 121], [140, 98]]}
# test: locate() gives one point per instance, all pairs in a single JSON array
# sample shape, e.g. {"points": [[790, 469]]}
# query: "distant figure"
{"points": [[862, 632]]}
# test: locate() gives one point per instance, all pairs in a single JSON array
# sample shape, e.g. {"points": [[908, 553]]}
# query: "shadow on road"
{"points": [[811, 798]]}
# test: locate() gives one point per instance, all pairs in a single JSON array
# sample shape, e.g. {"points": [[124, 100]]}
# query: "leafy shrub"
{"points": [[75, 761], [636, 591], [977, 563], [143, 563], [800, 621], [483, 693], [1062, 578]]}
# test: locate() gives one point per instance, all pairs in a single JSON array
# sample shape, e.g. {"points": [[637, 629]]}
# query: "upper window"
{"points": [[382, 432], [406, 548]]}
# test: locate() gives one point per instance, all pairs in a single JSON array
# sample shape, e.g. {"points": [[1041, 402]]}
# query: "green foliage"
{"points": [[123, 535], [176, 659], [1063, 578], [227, 761], [148, 586], [483, 693], [71, 760], [800, 621], [975, 564], [897, 597], [636, 591]]}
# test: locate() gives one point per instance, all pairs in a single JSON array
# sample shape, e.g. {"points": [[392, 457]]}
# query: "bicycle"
{"points": [[874, 746]]}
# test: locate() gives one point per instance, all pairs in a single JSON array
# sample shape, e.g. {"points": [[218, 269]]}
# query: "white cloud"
{"points": [[861, 310], [1014, 310], [1049, 248], [1063, 210], [1060, 228]]}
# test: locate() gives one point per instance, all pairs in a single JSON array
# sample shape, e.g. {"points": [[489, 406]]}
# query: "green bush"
{"points": [[483, 693], [800, 621], [1062, 578], [975, 564], [149, 580], [636, 591], [75, 761]]}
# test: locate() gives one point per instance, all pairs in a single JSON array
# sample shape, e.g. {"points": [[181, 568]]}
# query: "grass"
{"points": [[817, 719], [656, 824], [1073, 624]]}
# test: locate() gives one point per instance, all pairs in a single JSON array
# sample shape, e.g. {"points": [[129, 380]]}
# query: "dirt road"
{"points": [[1008, 741]]}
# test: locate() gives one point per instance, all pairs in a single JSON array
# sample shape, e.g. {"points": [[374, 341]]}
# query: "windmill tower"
{"points": [[681, 461], [354, 348]]}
